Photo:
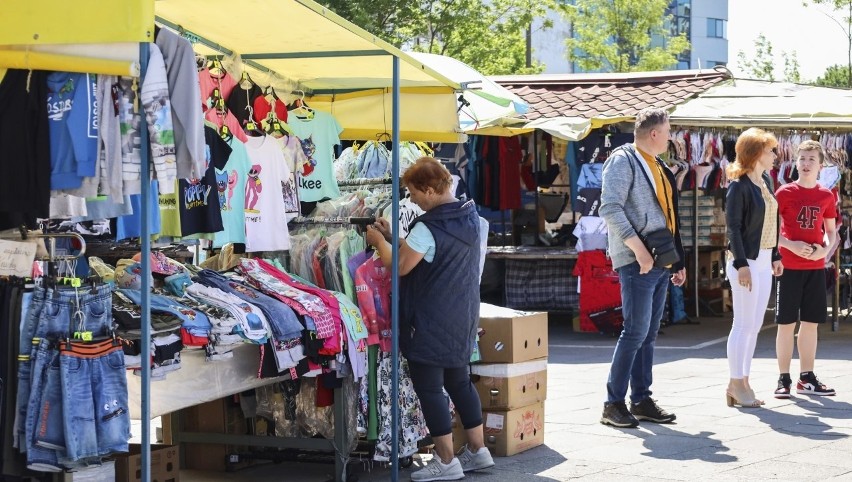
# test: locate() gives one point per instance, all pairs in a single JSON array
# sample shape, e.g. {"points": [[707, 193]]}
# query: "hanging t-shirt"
{"points": [[209, 82], [198, 199], [231, 186], [319, 135], [241, 102], [170, 213], [72, 112], [266, 221], [589, 201], [130, 226], [591, 233], [295, 158], [264, 104], [227, 119]]}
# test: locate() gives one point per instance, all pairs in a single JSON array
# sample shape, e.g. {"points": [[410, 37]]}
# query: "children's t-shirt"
{"points": [[319, 135], [295, 158], [265, 217], [73, 125], [198, 200], [170, 213], [231, 186]]}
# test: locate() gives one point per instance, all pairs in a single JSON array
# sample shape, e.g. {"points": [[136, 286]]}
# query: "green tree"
{"points": [[622, 35], [834, 76], [762, 65], [844, 8], [489, 36], [791, 67]]}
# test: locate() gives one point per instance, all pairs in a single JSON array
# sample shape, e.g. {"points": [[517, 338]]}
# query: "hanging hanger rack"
{"points": [[356, 220], [365, 181], [51, 247]]}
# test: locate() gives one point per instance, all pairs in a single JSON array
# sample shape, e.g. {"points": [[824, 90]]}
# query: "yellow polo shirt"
{"points": [[664, 189]]}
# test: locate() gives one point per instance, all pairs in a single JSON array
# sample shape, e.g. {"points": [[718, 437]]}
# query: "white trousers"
{"points": [[749, 311]]}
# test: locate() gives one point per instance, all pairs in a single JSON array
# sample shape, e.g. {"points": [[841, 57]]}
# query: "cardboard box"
{"points": [[165, 464], [514, 431], [222, 416], [511, 336], [506, 386]]}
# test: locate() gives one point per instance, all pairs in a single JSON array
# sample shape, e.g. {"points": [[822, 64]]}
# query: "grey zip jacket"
{"points": [[629, 204]]}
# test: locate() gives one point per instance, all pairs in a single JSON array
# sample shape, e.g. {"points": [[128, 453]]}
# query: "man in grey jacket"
{"points": [[637, 198]]}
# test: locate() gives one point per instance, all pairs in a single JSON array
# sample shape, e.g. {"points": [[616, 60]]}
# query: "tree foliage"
{"points": [[622, 35], [844, 8], [489, 36], [762, 64], [834, 76]]}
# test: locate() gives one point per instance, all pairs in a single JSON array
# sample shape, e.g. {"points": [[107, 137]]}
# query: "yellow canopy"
{"points": [[346, 70]]}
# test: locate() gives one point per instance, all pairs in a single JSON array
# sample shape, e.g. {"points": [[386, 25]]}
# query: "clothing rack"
{"points": [[364, 181], [356, 220]]}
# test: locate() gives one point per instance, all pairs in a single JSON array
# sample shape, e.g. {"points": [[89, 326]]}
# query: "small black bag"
{"points": [[661, 245]]}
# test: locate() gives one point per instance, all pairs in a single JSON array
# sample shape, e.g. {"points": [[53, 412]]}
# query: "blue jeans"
{"points": [[31, 308], [643, 299]]}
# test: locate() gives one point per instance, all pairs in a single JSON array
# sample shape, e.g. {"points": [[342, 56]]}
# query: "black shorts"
{"points": [[800, 295]]}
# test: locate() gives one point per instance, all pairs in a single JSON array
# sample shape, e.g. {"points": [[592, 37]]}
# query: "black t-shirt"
{"points": [[24, 148], [241, 98], [198, 199], [589, 201]]}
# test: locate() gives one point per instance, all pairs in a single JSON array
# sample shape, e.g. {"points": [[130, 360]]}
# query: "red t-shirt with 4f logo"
{"points": [[802, 211]]}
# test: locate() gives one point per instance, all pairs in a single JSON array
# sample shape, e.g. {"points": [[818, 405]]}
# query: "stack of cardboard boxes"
{"points": [[511, 379]]}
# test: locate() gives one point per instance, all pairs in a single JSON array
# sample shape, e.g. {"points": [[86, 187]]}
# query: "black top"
{"points": [[744, 218], [241, 98]]}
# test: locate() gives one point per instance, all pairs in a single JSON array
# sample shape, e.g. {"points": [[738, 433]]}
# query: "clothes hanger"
{"points": [[303, 111], [246, 82]]}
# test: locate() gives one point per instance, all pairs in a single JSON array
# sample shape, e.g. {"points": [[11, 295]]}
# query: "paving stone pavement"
{"points": [[804, 438]]}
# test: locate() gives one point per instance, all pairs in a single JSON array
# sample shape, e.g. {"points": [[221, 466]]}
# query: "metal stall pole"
{"points": [[835, 302], [145, 238], [695, 249], [395, 277]]}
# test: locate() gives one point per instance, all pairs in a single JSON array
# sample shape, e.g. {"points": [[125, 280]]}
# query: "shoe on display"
{"points": [[471, 461], [437, 470], [617, 415], [810, 385], [648, 410]]}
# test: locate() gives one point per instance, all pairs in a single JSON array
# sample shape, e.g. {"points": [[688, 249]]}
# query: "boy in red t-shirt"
{"points": [[807, 212]]}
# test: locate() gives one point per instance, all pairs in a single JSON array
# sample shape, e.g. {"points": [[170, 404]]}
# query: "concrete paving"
{"points": [[804, 438]]}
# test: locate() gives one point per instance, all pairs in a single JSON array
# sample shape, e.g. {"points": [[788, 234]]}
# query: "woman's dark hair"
{"points": [[428, 172]]}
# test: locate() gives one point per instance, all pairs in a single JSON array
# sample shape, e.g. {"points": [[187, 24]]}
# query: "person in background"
{"points": [[752, 228], [439, 268], [808, 213], [638, 198]]}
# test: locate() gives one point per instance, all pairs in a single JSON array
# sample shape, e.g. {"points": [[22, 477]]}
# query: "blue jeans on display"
{"points": [[38, 458], [643, 299], [96, 412], [31, 308]]}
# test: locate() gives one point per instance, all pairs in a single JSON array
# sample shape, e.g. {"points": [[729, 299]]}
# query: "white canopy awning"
{"points": [[741, 102]]}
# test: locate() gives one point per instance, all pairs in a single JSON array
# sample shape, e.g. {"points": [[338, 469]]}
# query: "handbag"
{"points": [[661, 245]]}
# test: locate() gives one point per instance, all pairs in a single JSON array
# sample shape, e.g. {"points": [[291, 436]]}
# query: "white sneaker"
{"points": [[475, 461], [437, 470]]}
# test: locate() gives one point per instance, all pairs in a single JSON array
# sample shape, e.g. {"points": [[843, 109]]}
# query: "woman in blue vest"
{"points": [[439, 313]]}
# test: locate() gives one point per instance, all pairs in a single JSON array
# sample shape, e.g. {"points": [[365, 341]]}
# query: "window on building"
{"points": [[717, 28]]}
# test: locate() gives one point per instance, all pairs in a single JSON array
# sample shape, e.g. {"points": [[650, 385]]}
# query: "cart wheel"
{"points": [[406, 462]]}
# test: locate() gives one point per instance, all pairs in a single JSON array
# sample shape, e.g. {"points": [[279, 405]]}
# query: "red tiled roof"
{"points": [[607, 95]]}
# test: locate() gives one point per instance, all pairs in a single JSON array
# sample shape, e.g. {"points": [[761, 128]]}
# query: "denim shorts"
{"points": [[94, 390], [38, 458]]}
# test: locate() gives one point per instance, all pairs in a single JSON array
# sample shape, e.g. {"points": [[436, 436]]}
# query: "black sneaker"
{"points": [[810, 385], [649, 410], [617, 415], [783, 390]]}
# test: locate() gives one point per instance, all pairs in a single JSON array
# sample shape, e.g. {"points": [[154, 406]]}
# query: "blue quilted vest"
{"points": [[439, 301]]}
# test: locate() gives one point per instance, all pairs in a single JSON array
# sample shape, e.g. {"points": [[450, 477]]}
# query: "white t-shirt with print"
{"points": [[266, 221]]}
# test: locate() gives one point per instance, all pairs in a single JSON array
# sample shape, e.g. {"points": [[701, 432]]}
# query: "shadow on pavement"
{"points": [[664, 442]]}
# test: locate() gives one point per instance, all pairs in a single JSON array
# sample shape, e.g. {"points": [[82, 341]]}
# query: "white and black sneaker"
{"points": [[809, 384]]}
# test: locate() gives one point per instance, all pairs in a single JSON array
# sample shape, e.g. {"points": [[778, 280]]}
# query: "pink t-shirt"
{"points": [[208, 82]]}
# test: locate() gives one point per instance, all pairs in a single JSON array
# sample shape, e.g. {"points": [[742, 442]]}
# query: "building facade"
{"points": [[704, 22]]}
